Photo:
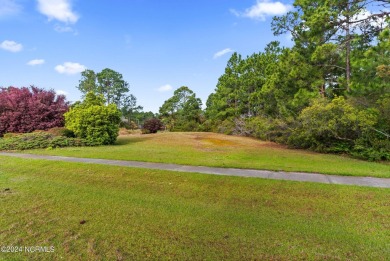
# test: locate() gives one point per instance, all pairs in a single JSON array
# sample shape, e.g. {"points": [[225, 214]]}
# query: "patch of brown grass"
{"points": [[126, 132], [123, 131], [219, 142]]}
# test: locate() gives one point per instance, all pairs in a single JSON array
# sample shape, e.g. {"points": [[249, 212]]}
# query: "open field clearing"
{"points": [[218, 150], [148, 214]]}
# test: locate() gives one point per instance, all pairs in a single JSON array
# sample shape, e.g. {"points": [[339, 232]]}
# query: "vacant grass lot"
{"points": [[137, 214], [217, 150]]}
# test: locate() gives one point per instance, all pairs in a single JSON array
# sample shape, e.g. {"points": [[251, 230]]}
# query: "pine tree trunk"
{"points": [[348, 49]]}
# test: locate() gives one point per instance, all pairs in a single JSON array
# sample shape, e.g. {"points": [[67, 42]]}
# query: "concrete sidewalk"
{"points": [[295, 176]]}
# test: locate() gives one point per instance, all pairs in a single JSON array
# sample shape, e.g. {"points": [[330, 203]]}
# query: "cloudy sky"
{"points": [[157, 45]]}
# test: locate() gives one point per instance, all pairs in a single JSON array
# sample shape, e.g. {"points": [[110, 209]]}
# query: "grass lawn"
{"points": [[217, 150], [137, 214]]}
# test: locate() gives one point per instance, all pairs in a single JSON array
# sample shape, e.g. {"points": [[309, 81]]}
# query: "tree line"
{"points": [[330, 92]]}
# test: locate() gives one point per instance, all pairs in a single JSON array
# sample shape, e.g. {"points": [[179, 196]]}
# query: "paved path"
{"points": [[296, 176]]}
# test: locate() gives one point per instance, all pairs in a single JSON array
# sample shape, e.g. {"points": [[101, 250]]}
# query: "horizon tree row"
{"points": [[330, 92]]}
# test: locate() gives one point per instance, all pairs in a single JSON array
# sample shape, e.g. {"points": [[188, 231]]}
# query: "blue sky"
{"points": [[157, 45]]}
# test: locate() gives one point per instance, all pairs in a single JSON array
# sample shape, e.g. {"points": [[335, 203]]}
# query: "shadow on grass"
{"points": [[129, 140]]}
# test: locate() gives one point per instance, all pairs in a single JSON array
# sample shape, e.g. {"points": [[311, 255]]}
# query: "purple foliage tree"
{"points": [[25, 109]]}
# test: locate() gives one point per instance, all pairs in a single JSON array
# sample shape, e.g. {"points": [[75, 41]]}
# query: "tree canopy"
{"points": [[329, 92], [183, 111], [108, 83]]}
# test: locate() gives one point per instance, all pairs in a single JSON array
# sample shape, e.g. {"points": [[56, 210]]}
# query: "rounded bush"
{"points": [[152, 126], [24, 110], [94, 121]]}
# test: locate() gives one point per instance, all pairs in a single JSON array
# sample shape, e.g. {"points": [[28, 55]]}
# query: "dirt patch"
{"points": [[123, 131], [126, 132], [219, 142], [211, 142], [234, 141]]}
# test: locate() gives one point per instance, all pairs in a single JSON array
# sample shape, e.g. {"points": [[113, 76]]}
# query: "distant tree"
{"points": [[371, 79], [130, 107], [141, 116], [88, 82], [347, 23], [25, 109], [108, 83], [225, 102], [182, 111]]}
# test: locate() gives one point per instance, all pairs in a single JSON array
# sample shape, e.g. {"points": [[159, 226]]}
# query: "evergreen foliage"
{"points": [[183, 111], [108, 83], [329, 92]]}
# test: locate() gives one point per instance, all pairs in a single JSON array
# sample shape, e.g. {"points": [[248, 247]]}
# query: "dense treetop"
{"points": [[329, 92]]}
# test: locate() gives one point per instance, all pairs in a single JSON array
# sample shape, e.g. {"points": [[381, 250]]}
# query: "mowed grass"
{"points": [[218, 150], [138, 214]]}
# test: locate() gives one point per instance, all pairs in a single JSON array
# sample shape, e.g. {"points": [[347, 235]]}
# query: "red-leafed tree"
{"points": [[25, 109]]}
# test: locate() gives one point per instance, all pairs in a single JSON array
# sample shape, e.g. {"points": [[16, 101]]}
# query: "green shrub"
{"points": [[209, 126], [10, 135], [264, 128], [270, 129], [372, 146], [190, 125], [337, 127], [39, 140], [226, 127], [94, 121], [152, 126], [61, 131], [145, 131], [383, 106]]}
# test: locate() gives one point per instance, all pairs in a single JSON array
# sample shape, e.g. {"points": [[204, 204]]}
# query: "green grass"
{"points": [[137, 214], [217, 150]]}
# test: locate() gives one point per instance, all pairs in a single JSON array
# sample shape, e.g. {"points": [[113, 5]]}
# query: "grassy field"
{"points": [[217, 150], [137, 214]]}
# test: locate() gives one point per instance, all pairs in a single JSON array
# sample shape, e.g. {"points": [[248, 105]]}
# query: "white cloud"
{"points": [[165, 88], [222, 52], [36, 62], [262, 9], [9, 7], [61, 92], [11, 46], [60, 10], [70, 68], [63, 29]]}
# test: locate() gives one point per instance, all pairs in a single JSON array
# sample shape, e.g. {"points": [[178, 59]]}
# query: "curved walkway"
{"points": [[281, 175]]}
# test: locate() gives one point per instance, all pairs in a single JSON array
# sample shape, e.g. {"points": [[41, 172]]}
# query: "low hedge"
{"points": [[40, 140]]}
